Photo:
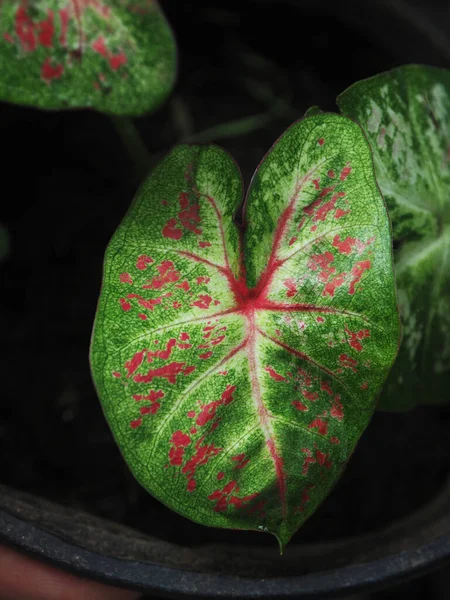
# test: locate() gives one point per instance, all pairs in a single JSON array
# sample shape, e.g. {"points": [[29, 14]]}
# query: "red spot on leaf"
{"points": [[126, 306], [99, 46], [224, 498], [341, 213], [151, 302], [184, 285], [184, 346], [291, 287], [116, 374], [49, 72], [115, 60], [202, 279], [331, 174], [357, 272], [316, 184], [305, 377], [348, 362], [312, 396], [208, 411], [332, 285], [25, 30], [305, 497], [180, 441], [345, 246], [135, 424], [46, 30], [220, 475], [320, 425], [322, 261], [274, 374], [323, 211], [292, 240], [169, 372], [189, 214], [125, 278], [188, 218], [241, 461], [170, 230], [204, 244], [321, 141], [143, 261], [326, 387], [205, 356], [300, 406], [152, 409], [307, 461], [345, 172], [134, 363], [337, 410], [191, 485], [64, 20], [203, 302], [355, 337], [163, 354], [323, 459], [167, 275], [334, 440], [202, 456], [326, 190], [152, 396]]}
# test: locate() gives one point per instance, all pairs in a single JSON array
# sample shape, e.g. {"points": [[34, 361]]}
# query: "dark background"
{"points": [[247, 70]]}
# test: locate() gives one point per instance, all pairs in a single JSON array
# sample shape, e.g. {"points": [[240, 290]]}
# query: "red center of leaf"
{"points": [[248, 302]]}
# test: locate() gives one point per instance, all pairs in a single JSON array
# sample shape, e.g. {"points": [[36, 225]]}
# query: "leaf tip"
{"points": [[283, 537]]}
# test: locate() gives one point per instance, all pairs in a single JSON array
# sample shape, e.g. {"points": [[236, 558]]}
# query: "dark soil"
{"points": [[67, 183]]}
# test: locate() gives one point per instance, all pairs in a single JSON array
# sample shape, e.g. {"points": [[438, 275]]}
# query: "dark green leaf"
{"points": [[405, 114], [117, 56]]}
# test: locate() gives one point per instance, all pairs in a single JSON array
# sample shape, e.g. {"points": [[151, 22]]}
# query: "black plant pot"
{"points": [[387, 520], [114, 554]]}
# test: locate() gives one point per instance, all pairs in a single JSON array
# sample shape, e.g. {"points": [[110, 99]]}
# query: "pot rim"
{"points": [[178, 583]]}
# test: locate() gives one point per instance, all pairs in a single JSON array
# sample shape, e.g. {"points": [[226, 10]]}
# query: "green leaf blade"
{"points": [[116, 57], [239, 396], [405, 114]]}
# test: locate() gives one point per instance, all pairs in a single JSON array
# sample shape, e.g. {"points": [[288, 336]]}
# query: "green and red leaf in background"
{"points": [[117, 56], [238, 370], [405, 114]]}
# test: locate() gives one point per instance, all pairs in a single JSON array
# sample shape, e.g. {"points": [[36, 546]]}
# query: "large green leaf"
{"points": [[117, 56], [405, 114], [238, 374]]}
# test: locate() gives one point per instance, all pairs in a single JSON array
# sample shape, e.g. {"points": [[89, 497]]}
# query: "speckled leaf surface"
{"points": [[238, 370], [405, 114], [117, 56]]}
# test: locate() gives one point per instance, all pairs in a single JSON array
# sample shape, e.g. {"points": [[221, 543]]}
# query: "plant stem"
{"points": [[134, 144]]}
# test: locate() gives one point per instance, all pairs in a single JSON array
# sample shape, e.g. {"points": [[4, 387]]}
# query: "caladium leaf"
{"points": [[405, 114], [237, 372], [117, 56]]}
